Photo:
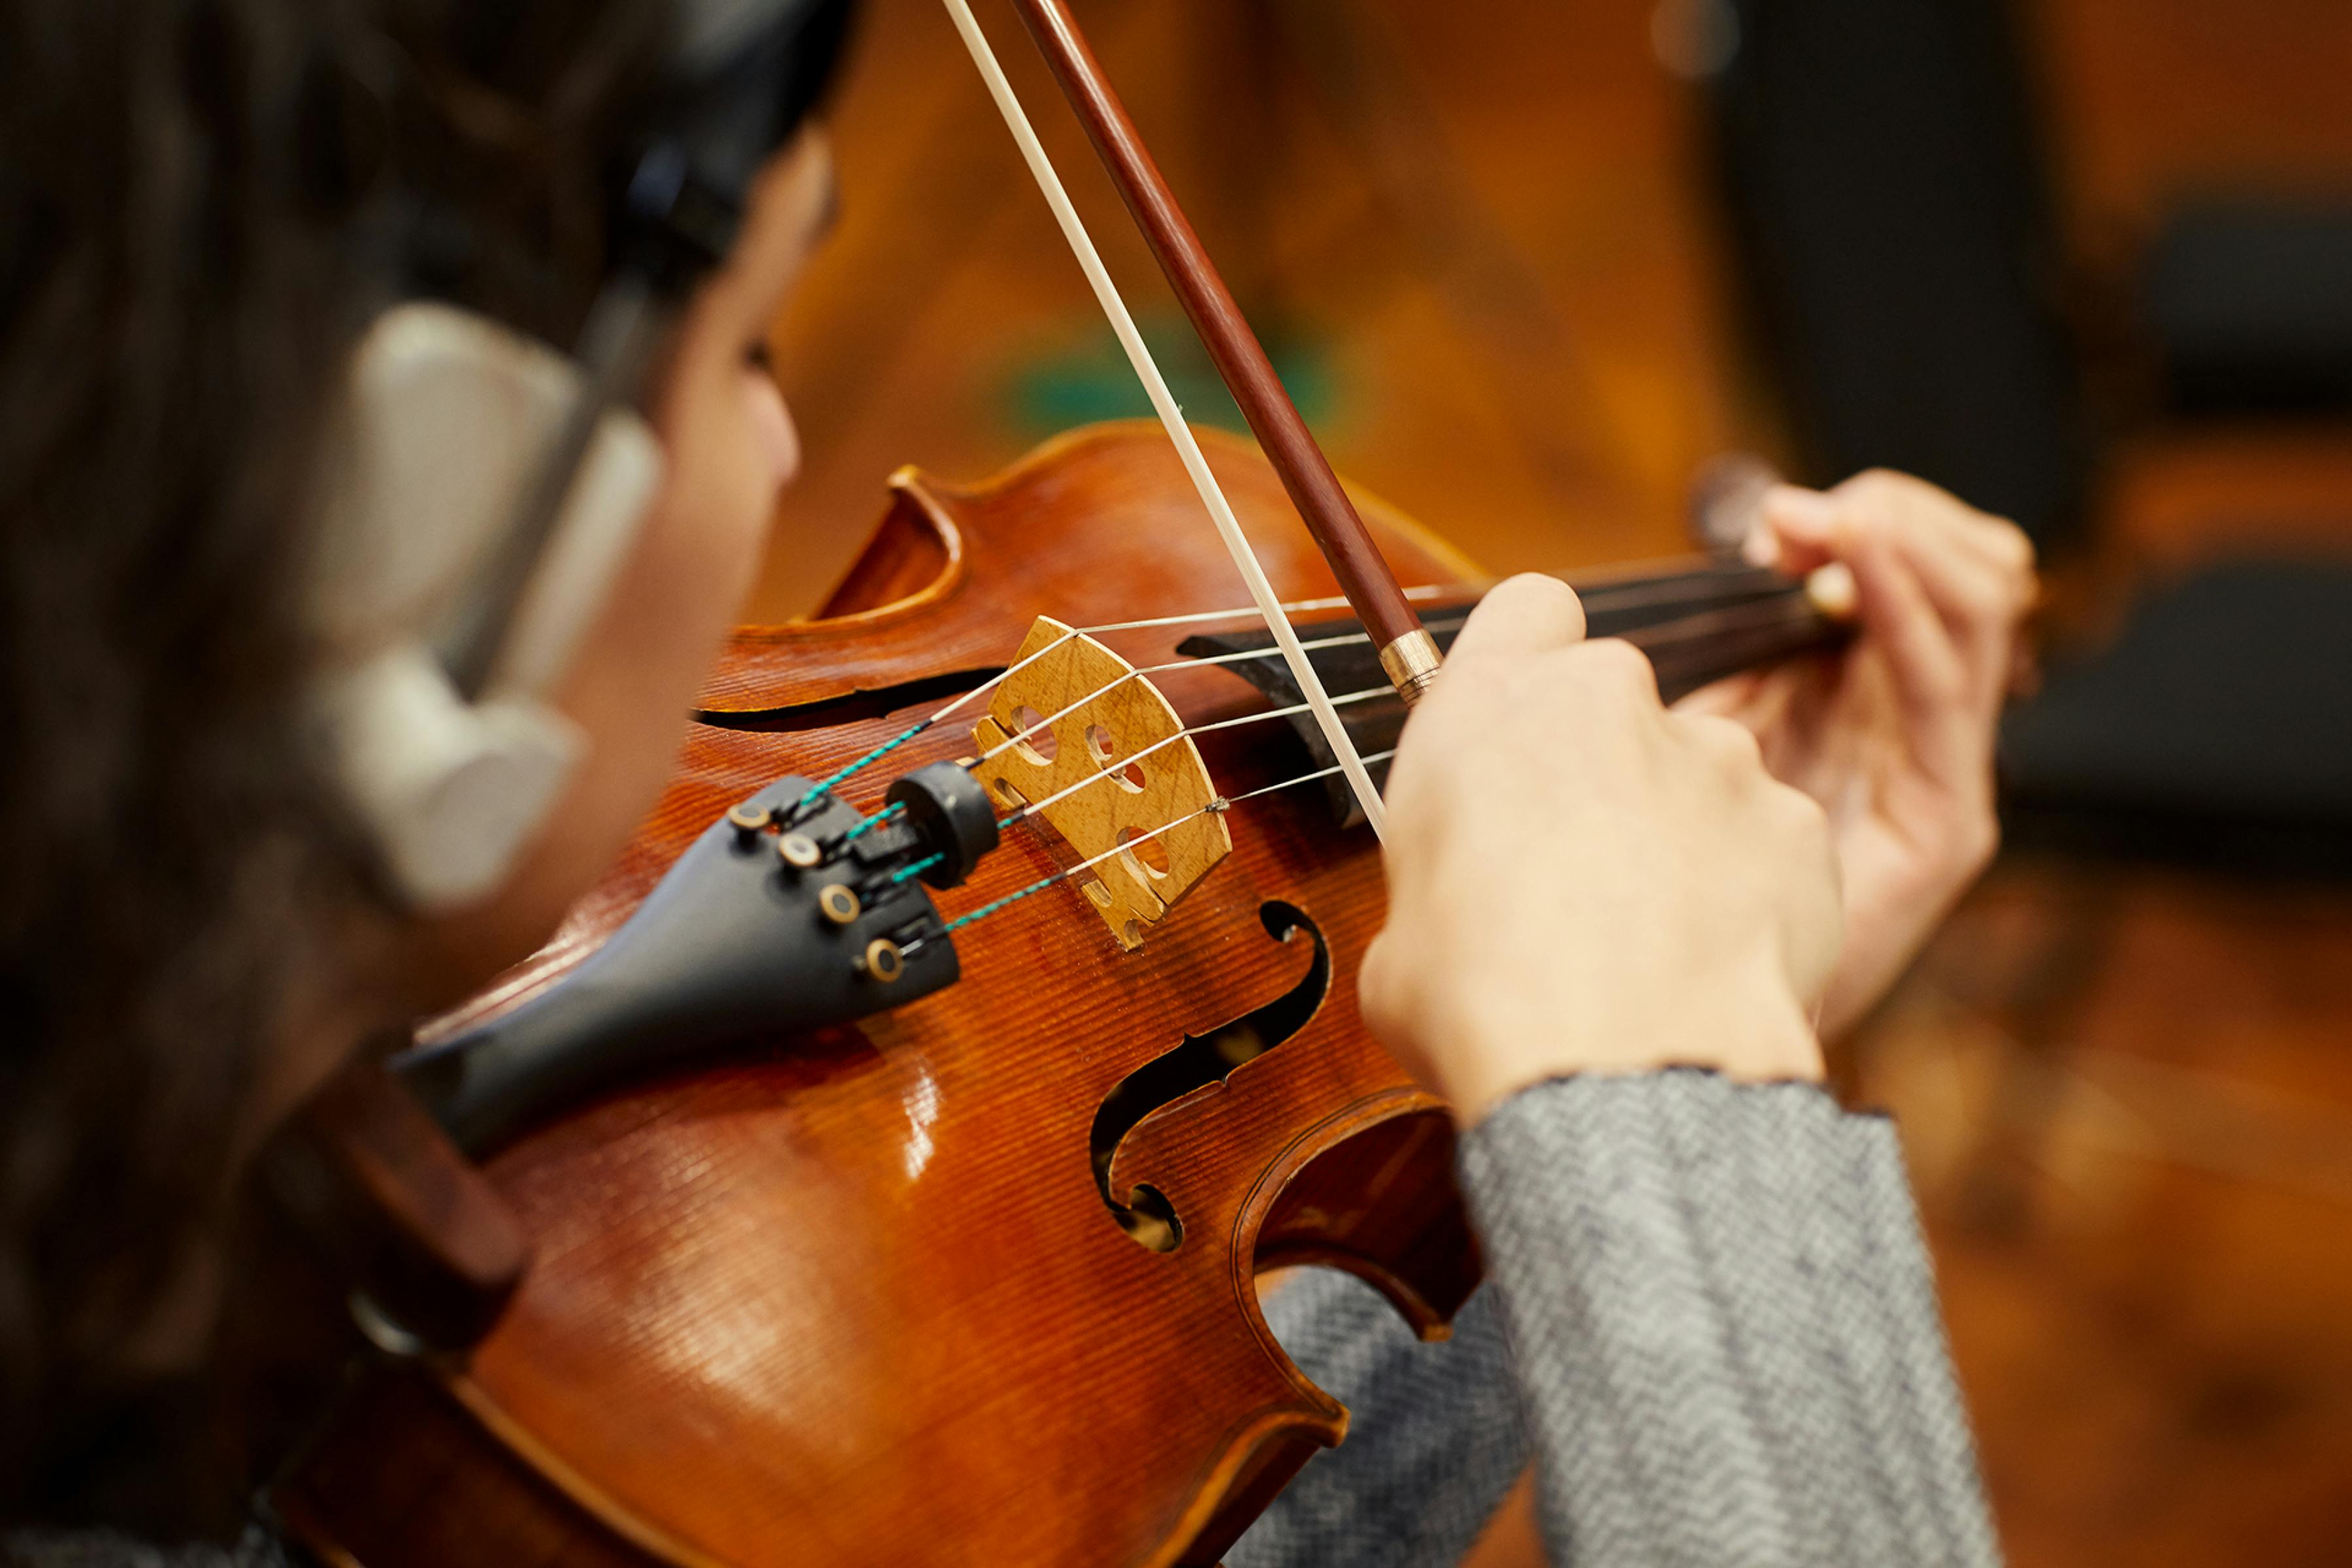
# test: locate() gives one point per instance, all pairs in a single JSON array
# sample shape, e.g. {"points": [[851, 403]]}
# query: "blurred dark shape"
{"points": [[2216, 731], [1898, 264], [1894, 252], [2248, 305]]}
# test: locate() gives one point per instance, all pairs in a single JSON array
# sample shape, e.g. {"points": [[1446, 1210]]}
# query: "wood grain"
{"points": [[858, 1299], [1119, 768]]}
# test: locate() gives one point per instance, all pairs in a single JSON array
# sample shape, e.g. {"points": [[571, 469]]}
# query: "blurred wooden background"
{"points": [[1482, 241], [947, 295]]}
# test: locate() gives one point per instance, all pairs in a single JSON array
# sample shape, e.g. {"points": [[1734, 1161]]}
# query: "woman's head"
{"points": [[202, 205], [730, 446]]}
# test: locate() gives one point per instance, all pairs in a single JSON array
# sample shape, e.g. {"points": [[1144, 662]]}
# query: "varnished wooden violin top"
{"points": [[860, 1298], [973, 1279]]}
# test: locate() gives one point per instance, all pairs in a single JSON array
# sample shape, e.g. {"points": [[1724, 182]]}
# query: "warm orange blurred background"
{"points": [[1497, 247]]}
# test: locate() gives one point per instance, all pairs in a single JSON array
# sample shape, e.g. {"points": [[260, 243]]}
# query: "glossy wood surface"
{"points": [[860, 1298]]}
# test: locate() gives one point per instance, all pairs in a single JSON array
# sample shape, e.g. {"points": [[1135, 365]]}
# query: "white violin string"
{"points": [[1638, 594], [1614, 588], [1760, 616], [1116, 681], [1671, 631], [1738, 618], [1197, 618], [1597, 590], [1753, 617], [1601, 595], [835, 780], [1163, 402], [1644, 583], [1111, 766], [1428, 591], [1646, 566], [1216, 807]]}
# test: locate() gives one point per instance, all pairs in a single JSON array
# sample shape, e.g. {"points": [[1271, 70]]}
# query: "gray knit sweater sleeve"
{"points": [[1435, 1436], [1722, 1341], [261, 1547]]}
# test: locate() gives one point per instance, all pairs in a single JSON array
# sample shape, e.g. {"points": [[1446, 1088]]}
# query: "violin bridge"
{"points": [[1121, 753]]}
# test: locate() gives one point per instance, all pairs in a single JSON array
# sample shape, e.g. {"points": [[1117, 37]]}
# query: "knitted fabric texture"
{"points": [[1712, 1318]]}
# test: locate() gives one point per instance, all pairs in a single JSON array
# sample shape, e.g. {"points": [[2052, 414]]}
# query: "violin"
{"points": [[879, 1164], [973, 1277]]}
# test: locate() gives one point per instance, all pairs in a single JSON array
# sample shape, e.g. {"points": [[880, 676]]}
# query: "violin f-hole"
{"points": [[1200, 1060]]}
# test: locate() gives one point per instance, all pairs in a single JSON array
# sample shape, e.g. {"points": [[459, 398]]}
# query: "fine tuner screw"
{"points": [[839, 903]]}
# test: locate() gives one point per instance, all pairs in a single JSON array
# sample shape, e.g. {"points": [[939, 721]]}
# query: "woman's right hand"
{"points": [[1582, 881]]}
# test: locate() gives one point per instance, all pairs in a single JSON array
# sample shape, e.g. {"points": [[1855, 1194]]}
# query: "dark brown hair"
{"points": [[201, 202]]}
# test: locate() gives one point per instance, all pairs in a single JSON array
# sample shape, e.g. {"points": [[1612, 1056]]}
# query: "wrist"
{"points": [[1753, 1034]]}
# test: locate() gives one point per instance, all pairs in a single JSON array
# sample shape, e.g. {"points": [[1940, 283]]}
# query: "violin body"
{"points": [[881, 1293]]}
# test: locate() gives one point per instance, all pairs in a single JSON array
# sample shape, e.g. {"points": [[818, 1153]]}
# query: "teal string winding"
{"points": [[871, 822], [962, 920], [868, 761], [916, 869]]}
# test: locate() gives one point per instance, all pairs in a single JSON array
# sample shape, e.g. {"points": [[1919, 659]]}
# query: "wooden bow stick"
{"points": [[1408, 655]]}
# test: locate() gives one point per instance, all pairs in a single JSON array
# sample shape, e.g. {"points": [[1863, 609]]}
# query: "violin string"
{"points": [[1677, 631], [1780, 607], [1657, 591], [887, 814], [1250, 611], [1116, 681], [1660, 580], [1761, 615], [1686, 563], [1757, 614], [1216, 807], [1683, 630], [1111, 767], [1758, 617], [1765, 612], [1197, 618], [1163, 404]]}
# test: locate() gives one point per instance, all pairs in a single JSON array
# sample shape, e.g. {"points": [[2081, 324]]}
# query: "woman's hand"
{"points": [[1895, 739], [1582, 881]]}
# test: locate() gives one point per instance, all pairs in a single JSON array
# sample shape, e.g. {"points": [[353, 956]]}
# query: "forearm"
{"points": [[1725, 1327]]}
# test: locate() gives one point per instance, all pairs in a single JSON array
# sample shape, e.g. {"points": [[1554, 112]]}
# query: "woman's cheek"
{"points": [[772, 430], [732, 451]]}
